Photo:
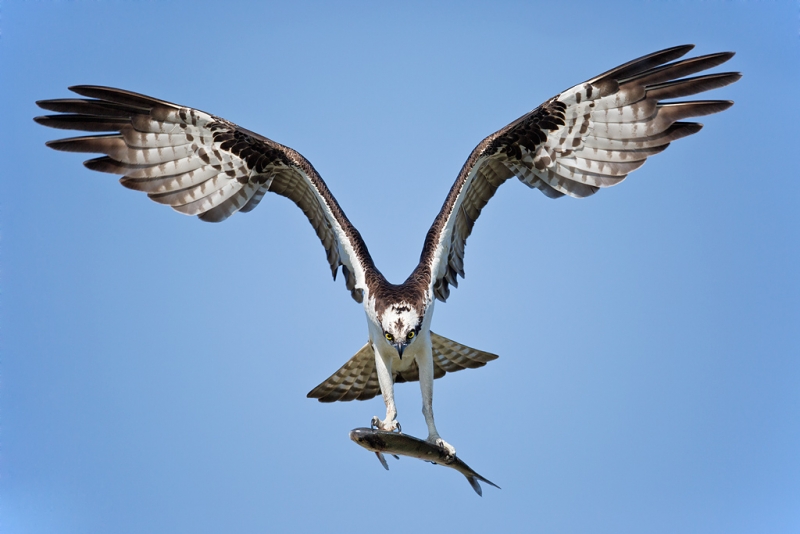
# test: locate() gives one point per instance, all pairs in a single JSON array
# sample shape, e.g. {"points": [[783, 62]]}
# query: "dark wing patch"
{"points": [[200, 164], [588, 137]]}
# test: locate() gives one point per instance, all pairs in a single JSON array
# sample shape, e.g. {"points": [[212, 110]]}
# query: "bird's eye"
{"points": [[410, 335], [389, 337]]}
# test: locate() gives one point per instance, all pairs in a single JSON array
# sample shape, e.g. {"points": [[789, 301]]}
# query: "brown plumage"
{"points": [[358, 380], [586, 138]]}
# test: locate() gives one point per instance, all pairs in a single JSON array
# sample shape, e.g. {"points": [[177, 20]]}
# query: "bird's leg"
{"points": [[384, 367], [425, 365]]}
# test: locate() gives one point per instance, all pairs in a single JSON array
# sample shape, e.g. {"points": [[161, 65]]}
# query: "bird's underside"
{"points": [[586, 138]]}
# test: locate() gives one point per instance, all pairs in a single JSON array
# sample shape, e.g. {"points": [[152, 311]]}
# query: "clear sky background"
{"points": [[154, 367]]}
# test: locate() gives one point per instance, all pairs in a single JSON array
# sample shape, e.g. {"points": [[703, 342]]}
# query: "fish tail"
{"points": [[487, 481], [473, 481]]}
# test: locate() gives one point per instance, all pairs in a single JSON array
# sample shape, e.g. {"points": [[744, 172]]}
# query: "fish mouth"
{"points": [[367, 438], [359, 435]]}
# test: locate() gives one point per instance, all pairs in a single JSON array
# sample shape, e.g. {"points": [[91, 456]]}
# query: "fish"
{"points": [[397, 443]]}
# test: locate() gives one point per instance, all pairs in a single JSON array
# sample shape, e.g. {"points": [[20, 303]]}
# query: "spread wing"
{"points": [[358, 379], [203, 165], [586, 138]]}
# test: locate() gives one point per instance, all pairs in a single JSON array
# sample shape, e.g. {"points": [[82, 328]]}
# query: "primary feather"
{"points": [[586, 138]]}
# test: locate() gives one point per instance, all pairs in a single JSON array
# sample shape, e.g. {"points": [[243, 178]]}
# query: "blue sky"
{"points": [[154, 367]]}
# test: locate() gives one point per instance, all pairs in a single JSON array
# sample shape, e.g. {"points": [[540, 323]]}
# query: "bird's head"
{"points": [[401, 324]]}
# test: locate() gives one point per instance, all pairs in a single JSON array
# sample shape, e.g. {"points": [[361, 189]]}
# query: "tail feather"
{"points": [[358, 380], [452, 356]]}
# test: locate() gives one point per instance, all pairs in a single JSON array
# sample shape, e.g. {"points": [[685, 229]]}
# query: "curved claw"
{"points": [[381, 425], [449, 449]]}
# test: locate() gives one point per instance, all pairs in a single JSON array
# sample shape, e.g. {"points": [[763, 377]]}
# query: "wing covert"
{"points": [[202, 165], [588, 137]]}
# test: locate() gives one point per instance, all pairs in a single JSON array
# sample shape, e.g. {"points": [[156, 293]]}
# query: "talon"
{"points": [[439, 442], [451, 451], [385, 425], [399, 428]]}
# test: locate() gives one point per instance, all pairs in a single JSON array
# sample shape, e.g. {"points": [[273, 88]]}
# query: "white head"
{"points": [[400, 323]]}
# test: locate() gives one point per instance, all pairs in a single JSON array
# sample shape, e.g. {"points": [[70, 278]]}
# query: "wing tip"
{"points": [[90, 90], [63, 145], [725, 56], [683, 49], [213, 216], [79, 87]]}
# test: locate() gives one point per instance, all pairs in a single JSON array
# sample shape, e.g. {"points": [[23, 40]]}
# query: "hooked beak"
{"points": [[400, 348]]}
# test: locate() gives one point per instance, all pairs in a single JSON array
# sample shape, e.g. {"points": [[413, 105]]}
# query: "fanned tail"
{"points": [[358, 380]]}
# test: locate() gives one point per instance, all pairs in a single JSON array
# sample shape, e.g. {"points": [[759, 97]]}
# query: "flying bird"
{"points": [[583, 139]]}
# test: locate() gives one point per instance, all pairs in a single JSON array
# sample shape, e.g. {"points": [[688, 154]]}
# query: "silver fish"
{"points": [[394, 443]]}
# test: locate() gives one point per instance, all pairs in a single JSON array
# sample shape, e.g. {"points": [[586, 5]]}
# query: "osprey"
{"points": [[585, 138]]}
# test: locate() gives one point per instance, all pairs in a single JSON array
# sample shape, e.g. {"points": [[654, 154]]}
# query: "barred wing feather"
{"points": [[203, 165], [586, 138]]}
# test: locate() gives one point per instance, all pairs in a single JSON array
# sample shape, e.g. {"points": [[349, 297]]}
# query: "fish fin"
{"points": [[356, 379], [448, 357], [396, 457], [475, 485], [383, 460], [487, 481]]}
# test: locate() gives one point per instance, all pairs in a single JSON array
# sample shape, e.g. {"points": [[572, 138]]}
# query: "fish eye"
{"points": [[389, 337], [410, 335]]}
